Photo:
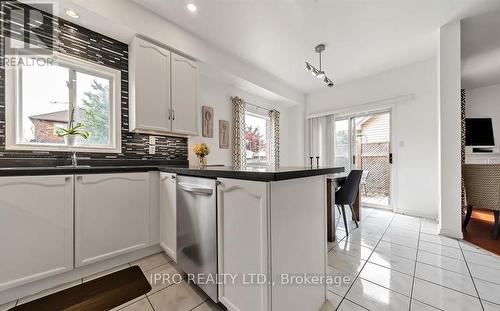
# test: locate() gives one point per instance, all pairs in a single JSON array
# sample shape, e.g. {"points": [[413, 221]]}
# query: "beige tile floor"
{"points": [[393, 262], [163, 296]]}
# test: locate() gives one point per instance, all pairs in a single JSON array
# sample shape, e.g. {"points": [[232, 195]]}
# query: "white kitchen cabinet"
{"points": [[243, 239], [112, 215], [149, 87], [184, 95], [163, 91], [36, 228], [168, 214]]}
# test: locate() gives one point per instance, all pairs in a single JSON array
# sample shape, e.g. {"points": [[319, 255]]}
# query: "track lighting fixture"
{"points": [[319, 73]]}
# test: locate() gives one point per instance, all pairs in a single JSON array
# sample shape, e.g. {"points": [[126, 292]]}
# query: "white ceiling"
{"points": [[481, 50], [363, 37]]}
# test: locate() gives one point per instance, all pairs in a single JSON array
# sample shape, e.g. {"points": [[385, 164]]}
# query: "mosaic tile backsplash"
{"points": [[74, 40]]}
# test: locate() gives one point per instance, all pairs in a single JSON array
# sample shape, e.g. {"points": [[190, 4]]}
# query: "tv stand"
{"points": [[485, 155], [483, 150]]}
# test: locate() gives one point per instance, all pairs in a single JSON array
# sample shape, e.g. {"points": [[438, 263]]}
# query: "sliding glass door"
{"points": [[363, 142], [342, 144]]}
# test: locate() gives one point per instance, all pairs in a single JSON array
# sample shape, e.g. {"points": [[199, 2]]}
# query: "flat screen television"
{"points": [[479, 132]]}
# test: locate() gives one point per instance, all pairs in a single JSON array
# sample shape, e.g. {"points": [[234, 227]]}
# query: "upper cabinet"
{"points": [[184, 95], [163, 91], [149, 87]]}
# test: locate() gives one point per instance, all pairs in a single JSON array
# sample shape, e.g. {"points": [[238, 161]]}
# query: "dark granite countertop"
{"points": [[253, 173], [247, 173]]}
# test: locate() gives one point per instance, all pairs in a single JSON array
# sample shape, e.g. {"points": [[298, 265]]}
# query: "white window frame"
{"points": [[255, 112], [13, 107]]}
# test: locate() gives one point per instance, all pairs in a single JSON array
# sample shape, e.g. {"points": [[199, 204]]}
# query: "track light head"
{"points": [[320, 75], [308, 66], [330, 84]]}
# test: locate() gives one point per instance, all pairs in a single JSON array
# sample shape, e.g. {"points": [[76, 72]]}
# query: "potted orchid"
{"points": [[73, 130]]}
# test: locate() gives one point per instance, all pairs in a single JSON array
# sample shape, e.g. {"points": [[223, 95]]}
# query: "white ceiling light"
{"points": [[191, 7], [72, 14], [319, 73]]}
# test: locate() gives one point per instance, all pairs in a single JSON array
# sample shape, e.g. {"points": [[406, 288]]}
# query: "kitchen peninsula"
{"points": [[268, 221]]}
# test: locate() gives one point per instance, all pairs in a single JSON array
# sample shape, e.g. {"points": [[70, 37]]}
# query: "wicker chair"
{"points": [[482, 190]]}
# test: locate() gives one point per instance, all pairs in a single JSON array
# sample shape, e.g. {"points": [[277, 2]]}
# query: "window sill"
{"points": [[63, 148]]}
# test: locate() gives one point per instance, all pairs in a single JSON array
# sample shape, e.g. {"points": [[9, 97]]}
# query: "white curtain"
{"points": [[321, 140]]}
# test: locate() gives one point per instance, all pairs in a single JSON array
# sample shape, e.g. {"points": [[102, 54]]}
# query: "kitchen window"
{"points": [[257, 139], [45, 100]]}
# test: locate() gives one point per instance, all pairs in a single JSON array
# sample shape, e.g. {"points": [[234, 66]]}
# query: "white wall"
{"points": [[484, 102], [218, 95], [450, 130], [415, 122]]}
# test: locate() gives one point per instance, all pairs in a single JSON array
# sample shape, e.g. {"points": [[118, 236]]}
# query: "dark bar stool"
{"points": [[347, 194]]}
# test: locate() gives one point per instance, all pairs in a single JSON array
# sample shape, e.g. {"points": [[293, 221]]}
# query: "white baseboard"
{"points": [[415, 214], [75, 274], [451, 233]]}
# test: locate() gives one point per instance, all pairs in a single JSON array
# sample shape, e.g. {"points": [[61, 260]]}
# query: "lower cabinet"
{"points": [[36, 228], [243, 243], [168, 214], [111, 215]]}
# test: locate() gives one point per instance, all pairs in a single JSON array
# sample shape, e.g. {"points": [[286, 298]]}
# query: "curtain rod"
{"points": [[256, 106]]}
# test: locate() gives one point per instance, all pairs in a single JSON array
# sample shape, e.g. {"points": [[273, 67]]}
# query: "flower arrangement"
{"points": [[201, 150]]}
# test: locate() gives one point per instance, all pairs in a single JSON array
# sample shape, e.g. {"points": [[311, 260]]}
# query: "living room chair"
{"points": [[482, 190]]}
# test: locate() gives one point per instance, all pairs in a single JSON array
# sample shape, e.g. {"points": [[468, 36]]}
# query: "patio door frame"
{"points": [[351, 116]]}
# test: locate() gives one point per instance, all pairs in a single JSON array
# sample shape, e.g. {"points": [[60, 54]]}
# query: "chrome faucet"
{"points": [[74, 159]]}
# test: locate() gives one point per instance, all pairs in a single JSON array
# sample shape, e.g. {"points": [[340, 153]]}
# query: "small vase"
{"points": [[202, 161], [70, 140]]}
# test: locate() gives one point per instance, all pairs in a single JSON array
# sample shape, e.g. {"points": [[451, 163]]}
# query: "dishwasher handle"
{"points": [[196, 189]]}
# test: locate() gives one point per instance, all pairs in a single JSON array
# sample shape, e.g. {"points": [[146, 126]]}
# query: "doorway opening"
{"points": [[364, 142]]}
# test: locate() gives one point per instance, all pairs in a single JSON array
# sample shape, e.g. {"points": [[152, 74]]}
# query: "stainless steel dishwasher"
{"points": [[197, 229]]}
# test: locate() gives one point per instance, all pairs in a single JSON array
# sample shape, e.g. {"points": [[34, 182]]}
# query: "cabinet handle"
{"points": [[67, 179], [79, 178], [169, 114], [173, 114], [173, 177]]}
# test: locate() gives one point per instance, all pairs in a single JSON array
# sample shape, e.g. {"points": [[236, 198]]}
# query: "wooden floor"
{"points": [[480, 230]]}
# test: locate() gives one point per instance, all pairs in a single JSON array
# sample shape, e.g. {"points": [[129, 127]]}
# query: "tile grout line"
{"points": [[150, 303], [472, 278], [415, 266], [357, 275], [199, 304], [344, 297]]}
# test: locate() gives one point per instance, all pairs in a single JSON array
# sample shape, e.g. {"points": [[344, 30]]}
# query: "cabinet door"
{"points": [[243, 228], [184, 96], [149, 87], [36, 228], [168, 214], [111, 215]]}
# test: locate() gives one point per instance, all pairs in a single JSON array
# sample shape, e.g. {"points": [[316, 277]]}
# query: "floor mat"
{"points": [[100, 294]]}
